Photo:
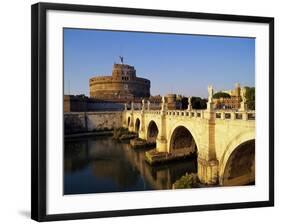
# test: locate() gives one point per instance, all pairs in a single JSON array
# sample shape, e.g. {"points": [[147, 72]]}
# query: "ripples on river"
{"points": [[101, 164]]}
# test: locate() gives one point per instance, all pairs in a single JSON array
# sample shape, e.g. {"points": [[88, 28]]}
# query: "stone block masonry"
{"points": [[78, 122]]}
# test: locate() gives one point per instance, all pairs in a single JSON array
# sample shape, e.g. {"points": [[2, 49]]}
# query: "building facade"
{"points": [[233, 102]]}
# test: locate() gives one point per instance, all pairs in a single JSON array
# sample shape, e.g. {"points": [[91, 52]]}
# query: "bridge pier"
{"points": [[208, 165], [161, 141], [208, 171], [131, 124], [142, 131], [161, 145], [142, 135]]}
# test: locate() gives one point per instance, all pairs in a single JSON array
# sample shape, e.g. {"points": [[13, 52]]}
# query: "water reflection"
{"points": [[100, 164]]}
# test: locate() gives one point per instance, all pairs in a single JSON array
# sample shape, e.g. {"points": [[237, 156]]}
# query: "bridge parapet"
{"points": [[153, 112], [186, 113], [178, 113], [201, 114], [235, 115]]}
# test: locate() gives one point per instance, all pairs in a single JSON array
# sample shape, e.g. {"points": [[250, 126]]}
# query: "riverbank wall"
{"points": [[82, 122]]}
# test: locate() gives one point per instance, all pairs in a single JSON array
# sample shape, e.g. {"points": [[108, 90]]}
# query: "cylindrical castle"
{"points": [[122, 86]]}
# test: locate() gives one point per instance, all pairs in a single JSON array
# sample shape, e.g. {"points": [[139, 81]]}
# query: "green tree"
{"points": [[184, 103], [198, 103], [250, 97]]}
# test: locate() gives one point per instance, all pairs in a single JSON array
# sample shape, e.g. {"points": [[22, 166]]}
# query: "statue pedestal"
{"points": [[210, 106]]}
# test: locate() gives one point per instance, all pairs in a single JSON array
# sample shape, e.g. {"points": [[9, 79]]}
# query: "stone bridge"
{"points": [[224, 140]]}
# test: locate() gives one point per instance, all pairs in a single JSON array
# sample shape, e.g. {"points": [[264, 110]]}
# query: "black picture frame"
{"points": [[38, 108]]}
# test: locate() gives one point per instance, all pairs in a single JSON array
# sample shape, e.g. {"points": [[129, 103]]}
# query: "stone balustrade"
{"points": [[185, 113], [219, 114], [210, 113], [235, 115]]}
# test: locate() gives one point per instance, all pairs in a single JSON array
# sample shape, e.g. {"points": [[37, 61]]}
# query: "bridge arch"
{"points": [[137, 125], [182, 140], [187, 130], [238, 161], [152, 131]]}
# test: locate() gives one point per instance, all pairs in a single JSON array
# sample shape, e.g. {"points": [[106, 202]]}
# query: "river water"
{"points": [[101, 164]]}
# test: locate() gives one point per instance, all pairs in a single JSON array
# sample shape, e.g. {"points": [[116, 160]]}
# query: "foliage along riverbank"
{"points": [[187, 181]]}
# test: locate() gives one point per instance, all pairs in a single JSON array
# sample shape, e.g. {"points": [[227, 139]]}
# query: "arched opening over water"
{"points": [[182, 140], [240, 166], [137, 125], [128, 121], [152, 132]]}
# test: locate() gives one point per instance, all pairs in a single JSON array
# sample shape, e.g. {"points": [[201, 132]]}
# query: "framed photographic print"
{"points": [[139, 111]]}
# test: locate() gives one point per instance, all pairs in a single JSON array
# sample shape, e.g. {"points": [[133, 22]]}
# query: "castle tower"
{"points": [[122, 86], [171, 101], [123, 72]]}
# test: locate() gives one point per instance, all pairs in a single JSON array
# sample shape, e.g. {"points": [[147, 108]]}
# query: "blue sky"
{"points": [[182, 64]]}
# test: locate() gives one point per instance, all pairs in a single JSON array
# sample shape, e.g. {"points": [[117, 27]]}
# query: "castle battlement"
{"points": [[116, 66], [101, 78]]}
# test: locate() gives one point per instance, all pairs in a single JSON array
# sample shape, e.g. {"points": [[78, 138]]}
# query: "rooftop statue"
{"points": [[121, 59]]}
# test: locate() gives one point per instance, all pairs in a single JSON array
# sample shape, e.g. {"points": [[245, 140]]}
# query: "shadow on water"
{"points": [[100, 164]]}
